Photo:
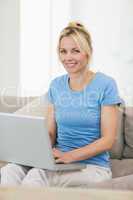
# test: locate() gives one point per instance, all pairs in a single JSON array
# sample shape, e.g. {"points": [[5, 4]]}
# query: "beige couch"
{"points": [[121, 153]]}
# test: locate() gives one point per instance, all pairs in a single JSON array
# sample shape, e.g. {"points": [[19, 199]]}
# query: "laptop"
{"points": [[25, 140]]}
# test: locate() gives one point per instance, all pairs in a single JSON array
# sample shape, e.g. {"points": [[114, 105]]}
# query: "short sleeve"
{"points": [[50, 94], [110, 95]]}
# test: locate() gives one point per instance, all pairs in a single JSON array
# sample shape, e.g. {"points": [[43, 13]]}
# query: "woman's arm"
{"points": [[109, 121], [51, 123]]}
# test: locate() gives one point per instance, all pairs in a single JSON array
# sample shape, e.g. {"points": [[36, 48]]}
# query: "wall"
{"points": [[9, 47]]}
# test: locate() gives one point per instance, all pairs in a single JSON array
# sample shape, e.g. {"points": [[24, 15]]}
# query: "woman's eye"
{"points": [[76, 51], [62, 51]]}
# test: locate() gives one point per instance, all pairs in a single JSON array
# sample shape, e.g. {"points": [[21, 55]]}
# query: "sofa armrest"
{"points": [[10, 104], [117, 149], [2, 163], [37, 107]]}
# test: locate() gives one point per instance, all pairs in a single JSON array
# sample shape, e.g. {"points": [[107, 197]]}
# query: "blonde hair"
{"points": [[81, 36]]}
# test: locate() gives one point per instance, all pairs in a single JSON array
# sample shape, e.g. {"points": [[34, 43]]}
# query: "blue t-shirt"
{"points": [[77, 113]]}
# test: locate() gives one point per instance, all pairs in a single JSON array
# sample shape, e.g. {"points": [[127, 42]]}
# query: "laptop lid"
{"points": [[25, 140]]}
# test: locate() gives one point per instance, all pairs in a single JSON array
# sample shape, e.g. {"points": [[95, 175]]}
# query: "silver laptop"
{"points": [[25, 140]]}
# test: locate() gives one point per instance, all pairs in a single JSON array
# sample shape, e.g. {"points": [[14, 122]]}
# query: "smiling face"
{"points": [[71, 56]]}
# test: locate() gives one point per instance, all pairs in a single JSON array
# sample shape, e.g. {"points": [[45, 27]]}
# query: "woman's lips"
{"points": [[70, 65]]}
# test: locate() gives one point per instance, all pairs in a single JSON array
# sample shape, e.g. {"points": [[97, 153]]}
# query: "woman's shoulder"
{"points": [[59, 80], [104, 78]]}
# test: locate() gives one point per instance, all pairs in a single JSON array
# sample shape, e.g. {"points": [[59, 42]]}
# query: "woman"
{"points": [[82, 118]]}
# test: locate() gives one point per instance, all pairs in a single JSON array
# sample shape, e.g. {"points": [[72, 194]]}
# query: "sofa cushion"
{"points": [[122, 167], [35, 108], [128, 150], [117, 149]]}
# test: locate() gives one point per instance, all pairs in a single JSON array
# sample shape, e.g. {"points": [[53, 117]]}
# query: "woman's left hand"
{"points": [[63, 157]]}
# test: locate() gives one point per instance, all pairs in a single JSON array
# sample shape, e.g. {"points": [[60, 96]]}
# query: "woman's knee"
{"points": [[33, 172], [12, 174], [9, 167], [13, 168], [33, 178]]}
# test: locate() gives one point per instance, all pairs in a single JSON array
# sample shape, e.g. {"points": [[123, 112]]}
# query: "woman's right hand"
{"points": [[57, 153]]}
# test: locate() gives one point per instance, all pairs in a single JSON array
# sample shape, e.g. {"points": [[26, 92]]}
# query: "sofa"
{"points": [[121, 152]]}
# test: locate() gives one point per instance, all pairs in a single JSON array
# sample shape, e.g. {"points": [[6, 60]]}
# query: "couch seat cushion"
{"points": [[120, 183]]}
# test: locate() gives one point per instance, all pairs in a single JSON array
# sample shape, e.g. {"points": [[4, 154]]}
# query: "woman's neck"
{"points": [[78, 81], [78, 77]]}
